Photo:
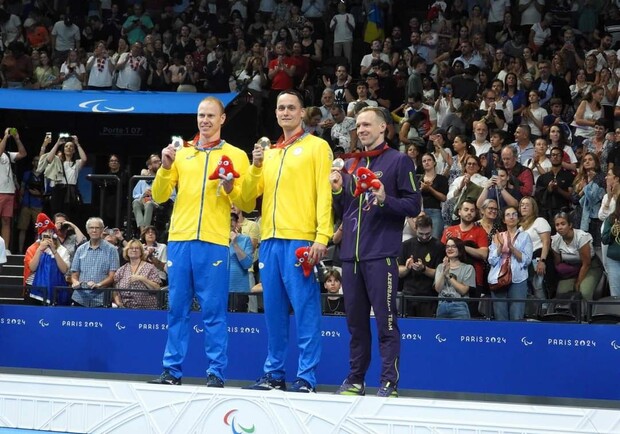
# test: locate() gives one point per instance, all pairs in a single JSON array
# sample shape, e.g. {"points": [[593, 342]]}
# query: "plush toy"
{"points": [[364, 179], [303, 260], [224, 167], [44, 223]]}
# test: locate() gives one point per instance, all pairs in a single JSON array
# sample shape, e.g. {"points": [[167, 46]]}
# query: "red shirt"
{"points": [[281, 81], [476, 234]]}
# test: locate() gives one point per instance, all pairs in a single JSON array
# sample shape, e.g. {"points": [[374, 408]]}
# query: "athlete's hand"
{"points": [[335, 179], [258, 155], [168, 154], [317, 252], [379, 194]]}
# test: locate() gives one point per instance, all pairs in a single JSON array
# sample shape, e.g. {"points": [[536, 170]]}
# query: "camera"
{"points": [[46, 237]]}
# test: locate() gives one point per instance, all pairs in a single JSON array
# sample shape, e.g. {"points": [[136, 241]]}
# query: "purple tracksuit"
{"points": [[370, 245]]}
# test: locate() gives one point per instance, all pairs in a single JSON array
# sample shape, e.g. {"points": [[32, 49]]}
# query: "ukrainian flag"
{"points": [[374, 25]]}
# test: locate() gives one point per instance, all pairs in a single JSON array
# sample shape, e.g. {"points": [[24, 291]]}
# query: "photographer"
{"points": [[499, 189], [45, 265], [65, 194], [156, 253], [72, 72], [69, 235]]}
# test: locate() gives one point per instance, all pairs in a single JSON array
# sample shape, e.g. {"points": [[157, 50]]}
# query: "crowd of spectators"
{"points": [[507, 110]]}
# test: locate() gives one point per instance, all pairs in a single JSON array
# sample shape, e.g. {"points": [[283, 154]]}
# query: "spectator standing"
{"points": [[46, 75], [554, 189], [475, 238], [100, 69], [241, 254], [417, 265], [531, 12], [433, 188], [298, 161], [610, 237], [219, 71], [69, 235], [539, 230], [137, 26], [65, 37], [516, 245], [93, 267], [369, 268], [8, 181], [131, 68], [198, 249], [343, 26], [48, 262], [65, 190], [72, 72]]}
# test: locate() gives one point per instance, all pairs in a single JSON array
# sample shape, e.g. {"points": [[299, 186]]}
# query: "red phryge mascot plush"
{"points": [[364, 179], [303, 260], [224, 167]]}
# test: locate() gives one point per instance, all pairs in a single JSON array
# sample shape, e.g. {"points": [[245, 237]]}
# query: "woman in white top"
{"points": [[588, 112], [72, 72], [441, 152], [64, 191], [471, 175], [100, 69], [540, 164], [534, 114], [576, 264], [540, 233]]}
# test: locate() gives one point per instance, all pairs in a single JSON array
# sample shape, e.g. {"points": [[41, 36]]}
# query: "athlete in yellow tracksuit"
{"points": [[198, 240], [293, 179]]}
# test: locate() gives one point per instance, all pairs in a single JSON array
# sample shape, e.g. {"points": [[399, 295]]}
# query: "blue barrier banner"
{"points": [[97, 101], [520, 358]]}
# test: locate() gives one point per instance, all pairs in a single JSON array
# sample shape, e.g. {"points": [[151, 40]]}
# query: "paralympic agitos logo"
{"points": [[236, 427]]}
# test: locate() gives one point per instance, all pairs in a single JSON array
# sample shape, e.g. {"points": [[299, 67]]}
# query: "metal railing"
{"points": [[552, 310]]}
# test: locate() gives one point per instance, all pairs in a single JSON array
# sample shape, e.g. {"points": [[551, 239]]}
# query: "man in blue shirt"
{"points": [[93, 267], [241, 258]]}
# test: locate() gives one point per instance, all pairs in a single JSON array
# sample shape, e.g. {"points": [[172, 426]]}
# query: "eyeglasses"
{"points": [[492, 209]]}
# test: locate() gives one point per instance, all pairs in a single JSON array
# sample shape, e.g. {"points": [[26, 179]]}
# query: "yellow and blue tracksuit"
{"points": [[198, 249], [296, 211]]}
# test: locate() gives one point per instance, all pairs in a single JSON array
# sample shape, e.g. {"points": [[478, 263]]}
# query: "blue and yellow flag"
{"points": [[374, 25]]}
